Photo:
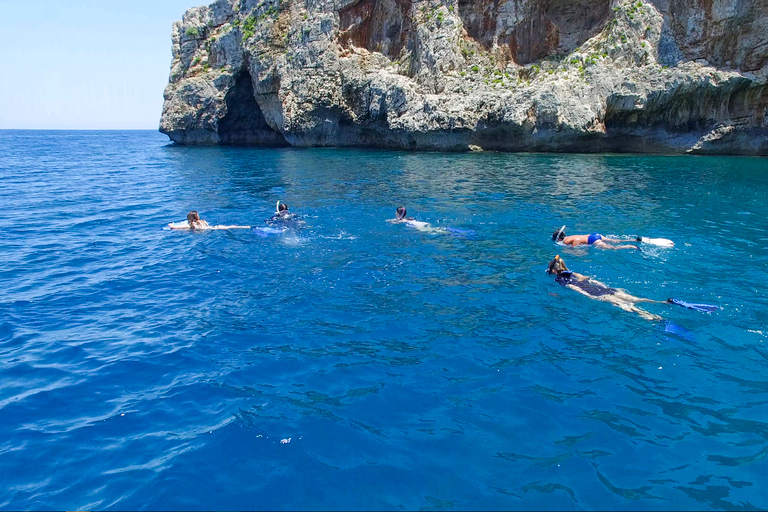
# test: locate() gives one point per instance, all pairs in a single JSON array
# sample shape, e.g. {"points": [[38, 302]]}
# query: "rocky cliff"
{"points": [[665, 76]]}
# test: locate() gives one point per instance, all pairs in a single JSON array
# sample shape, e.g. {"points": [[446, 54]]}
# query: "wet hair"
{"points": [[401, 213], [192, 218], [556, 238], [557, 265], [283, 207]]}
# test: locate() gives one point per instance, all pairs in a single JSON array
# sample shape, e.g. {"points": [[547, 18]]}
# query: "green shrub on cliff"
{"points": [[249, 27], [192, 32]]}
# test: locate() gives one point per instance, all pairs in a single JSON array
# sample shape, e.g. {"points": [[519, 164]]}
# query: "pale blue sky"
{"points": [[85, 64]]}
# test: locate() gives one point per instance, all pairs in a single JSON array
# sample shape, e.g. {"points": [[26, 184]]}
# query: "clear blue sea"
{"points": [[357, 364]]}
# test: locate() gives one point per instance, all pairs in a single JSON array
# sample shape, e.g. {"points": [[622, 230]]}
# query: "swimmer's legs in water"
{"points": [[630, 307], [622, 295], [601, 244]]}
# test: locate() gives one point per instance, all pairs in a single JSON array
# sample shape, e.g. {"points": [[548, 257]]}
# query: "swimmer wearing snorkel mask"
{"points": [[594, 289], [595, 239], [281, 212], [401, 218], [283, 217]]}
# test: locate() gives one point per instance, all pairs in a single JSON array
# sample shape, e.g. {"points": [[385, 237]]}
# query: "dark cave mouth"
{"points": [[244, 124]]}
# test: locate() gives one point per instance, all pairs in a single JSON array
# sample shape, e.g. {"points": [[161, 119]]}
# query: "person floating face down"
{"points": [[402, 218], [195, 222], [594, 289], [595, 239]]}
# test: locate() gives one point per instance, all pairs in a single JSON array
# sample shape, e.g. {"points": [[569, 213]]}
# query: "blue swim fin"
{"points": [[677, 330], [703, 308], [461, 232]]}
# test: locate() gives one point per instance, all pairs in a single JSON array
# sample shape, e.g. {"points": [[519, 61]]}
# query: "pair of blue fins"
{"points": [[703, 308]]}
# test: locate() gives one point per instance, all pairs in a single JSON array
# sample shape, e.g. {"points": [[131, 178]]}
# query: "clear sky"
{"points": [[85, 64]]}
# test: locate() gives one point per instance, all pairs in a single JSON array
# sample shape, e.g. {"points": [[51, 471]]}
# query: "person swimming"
{"points": [[283, 218], [195, 222], [595, 239], [594, 289], [282, 211], [402, 218]]}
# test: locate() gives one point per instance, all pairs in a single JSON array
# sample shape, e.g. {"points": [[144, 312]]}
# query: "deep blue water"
{"points": [[151, 369]]}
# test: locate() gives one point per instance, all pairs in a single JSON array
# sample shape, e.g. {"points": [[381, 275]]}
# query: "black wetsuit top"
{"points": [[283, 219], [590, 287]]}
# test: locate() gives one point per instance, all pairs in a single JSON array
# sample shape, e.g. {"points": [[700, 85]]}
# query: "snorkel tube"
{"points": [[277, 207], [556, 238]]}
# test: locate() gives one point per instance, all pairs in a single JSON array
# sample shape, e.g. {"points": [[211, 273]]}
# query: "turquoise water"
{"points": [[151, 369]]}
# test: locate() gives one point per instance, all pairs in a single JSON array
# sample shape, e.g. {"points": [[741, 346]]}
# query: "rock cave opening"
{"points": [[244, 123]]}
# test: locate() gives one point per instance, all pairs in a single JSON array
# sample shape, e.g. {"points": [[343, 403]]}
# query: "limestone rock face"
{"points": [[650, 76]]}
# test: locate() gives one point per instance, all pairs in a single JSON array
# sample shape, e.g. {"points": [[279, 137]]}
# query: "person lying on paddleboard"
{"points": [[594, 289], [595, 239], [195, 222]]}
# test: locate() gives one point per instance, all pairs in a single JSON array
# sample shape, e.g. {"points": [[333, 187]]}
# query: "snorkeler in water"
{"points": [[283, 218], [281, 212], [402, 218], [594, 289], [282, 215], [595, 239]]}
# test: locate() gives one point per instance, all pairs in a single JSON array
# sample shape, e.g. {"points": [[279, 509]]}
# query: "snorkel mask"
{"points": [[558, 266], [400, 213]]}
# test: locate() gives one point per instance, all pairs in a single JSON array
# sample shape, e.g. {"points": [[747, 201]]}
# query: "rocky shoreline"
{"points": [[658, 76]]}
